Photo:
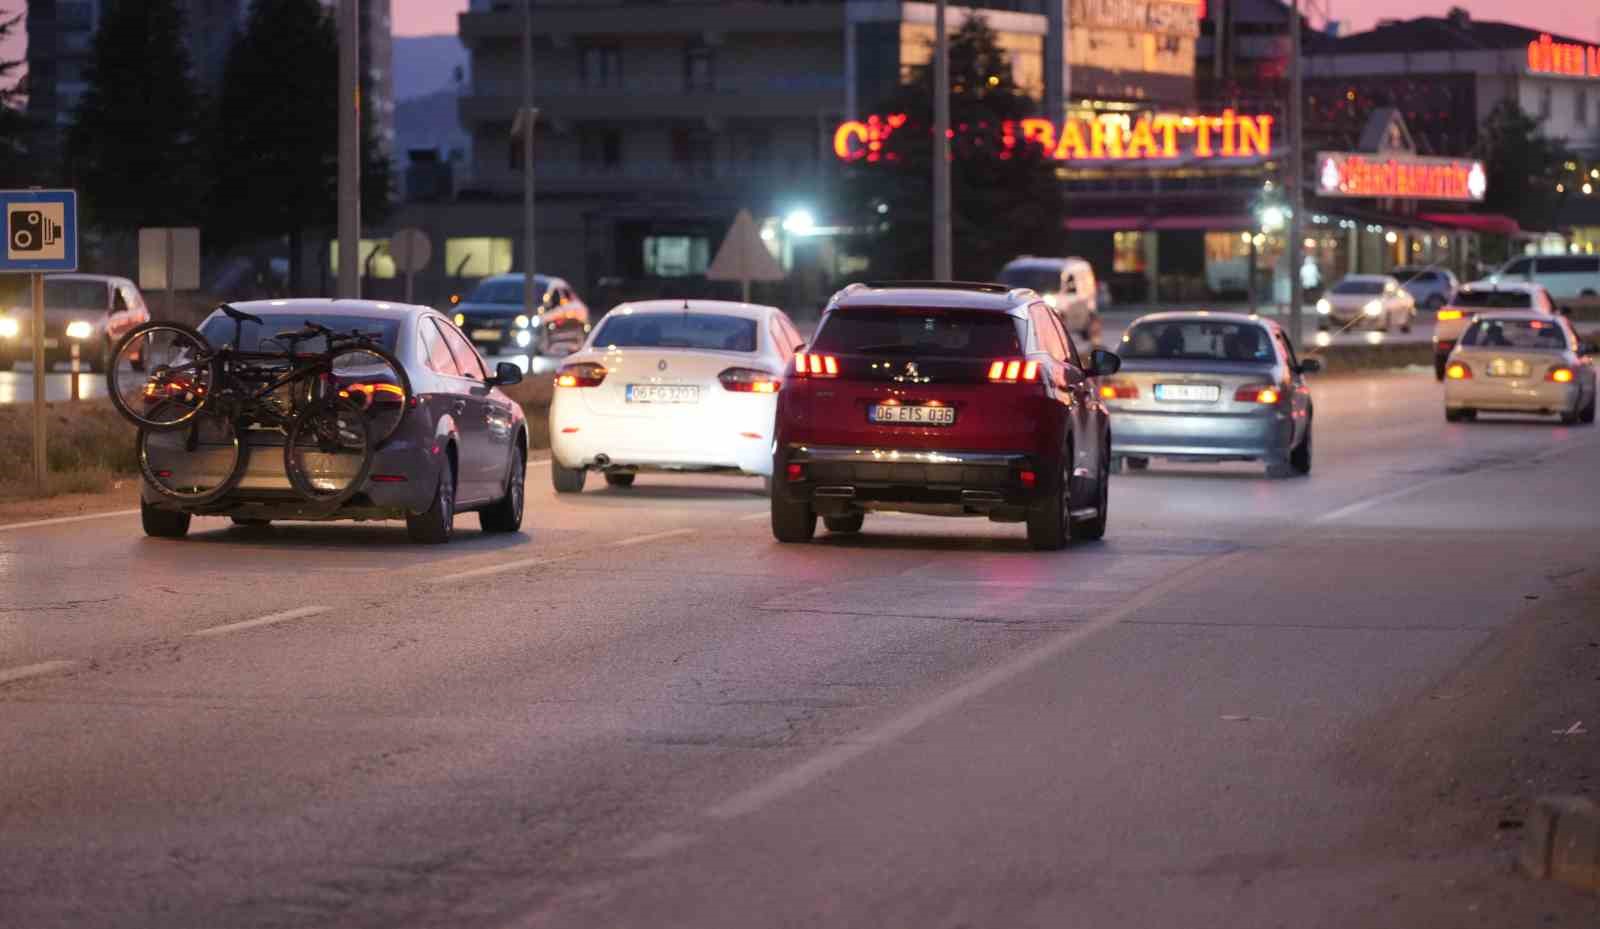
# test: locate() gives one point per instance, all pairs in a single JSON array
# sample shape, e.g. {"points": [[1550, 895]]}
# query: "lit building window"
{"points": [[676, 255], [375, 258], [1127, 252], [477, 257]]}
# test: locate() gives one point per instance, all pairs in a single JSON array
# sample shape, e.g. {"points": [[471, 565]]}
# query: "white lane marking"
{"points": [[661, 844], [8, 675], [61, 520], [268, 620], [832, 759], [496, 569], [653, 537], [537, 462], [753, 517]]}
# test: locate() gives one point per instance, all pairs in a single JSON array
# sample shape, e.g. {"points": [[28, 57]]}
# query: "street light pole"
{"points": [[1295, 178], [349, 149], [942, 270], [530, 298]]}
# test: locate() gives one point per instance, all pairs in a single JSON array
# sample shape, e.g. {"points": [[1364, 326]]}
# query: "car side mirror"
{"points": [[1309, 366], [506, 373], [1102, 363]]}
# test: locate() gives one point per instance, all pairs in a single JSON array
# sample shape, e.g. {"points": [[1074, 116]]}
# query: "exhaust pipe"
{"points": [[602, 461]]}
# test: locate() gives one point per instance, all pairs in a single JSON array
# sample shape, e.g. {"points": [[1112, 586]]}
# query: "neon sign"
{"points": [[1547, 56], [1405, 177], [1107, 138]]}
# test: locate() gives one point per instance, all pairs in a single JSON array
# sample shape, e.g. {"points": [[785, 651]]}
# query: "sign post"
{"points": [[412, 250], [169, 259], [41, 229], [743, 257]]}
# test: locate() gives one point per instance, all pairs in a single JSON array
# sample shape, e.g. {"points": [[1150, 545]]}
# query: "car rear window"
{"points": [[1494, 299], [919, 331], [1041, 280], [704, 331], [504, 292], [1198, 340], [1358, 287], [219, 330], [1516, 333], [75, 295]]}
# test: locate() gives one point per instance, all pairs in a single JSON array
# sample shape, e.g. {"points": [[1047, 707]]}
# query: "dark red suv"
{"points": [[946, 399]]}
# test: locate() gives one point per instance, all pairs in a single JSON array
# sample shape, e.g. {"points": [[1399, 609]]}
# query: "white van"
{"points": [[1566, 277], [1067, 284]]}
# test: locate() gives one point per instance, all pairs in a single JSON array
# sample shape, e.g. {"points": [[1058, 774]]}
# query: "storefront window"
{"points": [[477, 257], [1127, 255], [375, 258], [676, 255]]}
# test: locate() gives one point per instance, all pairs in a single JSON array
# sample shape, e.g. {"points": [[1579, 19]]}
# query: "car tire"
{"points": [[436, 524], [849, 523], [505, 514], [1571, 419], [1094, 528], [1137, 463], [792, 520], [567, 480], [1300, 455], [251, 522], [1047, 516], [1459, 416], [163, 524], [620, 479], [1440, 363], [1586, 415]]}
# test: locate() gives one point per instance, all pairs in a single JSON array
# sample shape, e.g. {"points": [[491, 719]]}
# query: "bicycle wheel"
{"points": [[161, 375], [328, 452], [377, 384], [195, 464]]}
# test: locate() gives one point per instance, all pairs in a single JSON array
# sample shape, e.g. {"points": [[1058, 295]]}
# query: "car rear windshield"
{"points": [[219, 330], [1041, 280], [705, 331], [75, 295], [917, 331], [504, 292], [1516, 333], [1198, 340], [1494, 299], [1358, 287]]}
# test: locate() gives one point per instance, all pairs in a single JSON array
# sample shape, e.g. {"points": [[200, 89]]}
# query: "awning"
{"points": [[1224, 222], [1474, 222], [1107, 223], [1217, 221]]}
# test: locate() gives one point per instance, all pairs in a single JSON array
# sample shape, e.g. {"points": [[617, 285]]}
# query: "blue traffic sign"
{"points": [[41, 229]]}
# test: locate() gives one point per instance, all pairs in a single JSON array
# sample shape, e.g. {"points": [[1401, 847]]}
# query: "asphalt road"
{"points": [[644, 712]]}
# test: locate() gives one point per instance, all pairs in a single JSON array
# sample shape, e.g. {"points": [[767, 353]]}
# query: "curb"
{"points": [[1563, 842]]}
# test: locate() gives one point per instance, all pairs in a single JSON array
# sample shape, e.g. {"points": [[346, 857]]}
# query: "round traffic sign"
{"points": [[411, 250]]}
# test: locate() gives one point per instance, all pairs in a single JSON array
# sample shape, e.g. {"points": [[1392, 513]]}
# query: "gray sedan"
{"points": [[1210, 387], [461, 443]]}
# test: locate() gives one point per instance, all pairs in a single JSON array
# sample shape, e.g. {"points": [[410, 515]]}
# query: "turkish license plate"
{"points": [[663, 393], [905, 414], [1500, 367], [1188, 393], [486, 335]]}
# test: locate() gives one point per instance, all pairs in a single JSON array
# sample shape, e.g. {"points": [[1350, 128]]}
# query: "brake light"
{"points": [[587, 374], [1458, 372], [794, 472], [1265, 394], [1560, 375], [1013, 370], [389, 478], [807, 365], [1119, 391], [375, 393], [749, 381], [1446, 315]]}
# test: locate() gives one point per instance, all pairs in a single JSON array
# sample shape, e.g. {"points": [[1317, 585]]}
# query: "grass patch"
{"points": [[89, 447]]}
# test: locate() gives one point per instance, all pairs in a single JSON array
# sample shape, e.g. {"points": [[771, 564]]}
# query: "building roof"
{"points": [[1438, 34]]}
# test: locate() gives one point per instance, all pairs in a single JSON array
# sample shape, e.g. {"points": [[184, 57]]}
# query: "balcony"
{"points": [[649, 176], [767, 96], [615, 18]]}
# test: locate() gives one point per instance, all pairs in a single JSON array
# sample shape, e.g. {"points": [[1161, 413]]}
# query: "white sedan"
{"points": [[671, 385], [1373, 300], [1521, 362]]}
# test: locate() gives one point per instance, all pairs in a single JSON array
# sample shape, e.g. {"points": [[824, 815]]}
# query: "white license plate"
{"points": [[1502, 368], [486, 335], [1188, 393], [663, 393], [908, 415]]}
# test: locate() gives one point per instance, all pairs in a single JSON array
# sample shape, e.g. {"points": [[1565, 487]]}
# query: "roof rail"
{"points": [[942, 285]]}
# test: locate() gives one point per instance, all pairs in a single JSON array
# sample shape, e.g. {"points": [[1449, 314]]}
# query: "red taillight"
{"points": [[1029, 479], [1560, 375], [587, 374], [807, 365], [389, 478], [1265, 394], [1458, 372], [749, 381], [794, 472], [374, 393], [1013, 370], [1118, 391]]}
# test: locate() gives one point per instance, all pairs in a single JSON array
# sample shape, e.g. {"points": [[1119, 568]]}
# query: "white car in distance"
{"points": [[671, 385], [1376, 301]]}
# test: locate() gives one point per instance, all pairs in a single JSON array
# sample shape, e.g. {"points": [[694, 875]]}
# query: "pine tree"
{"points": [[14, 167], [133, 148], [1005, 198], [1523, 165]]}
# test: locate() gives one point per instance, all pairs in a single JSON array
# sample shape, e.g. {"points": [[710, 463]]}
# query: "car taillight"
{"points": [[749, 381], [587, 374], [1013, 370], [1449, 314], [1265, 394], [368, 394], [1458, 372], [1559, 375], [1116, 391], [808, 365]]}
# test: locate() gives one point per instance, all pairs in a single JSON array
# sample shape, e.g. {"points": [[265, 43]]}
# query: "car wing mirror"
{"points": [[506, 373], [1103, 363], [1309, 366]]}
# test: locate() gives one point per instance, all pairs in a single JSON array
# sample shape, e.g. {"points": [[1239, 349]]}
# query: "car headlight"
{"points": [[524, 338], [1373, 308], [460, 319], [1050, 300], [8, 328], [522, 321], [80, 330], [1324, 307]]}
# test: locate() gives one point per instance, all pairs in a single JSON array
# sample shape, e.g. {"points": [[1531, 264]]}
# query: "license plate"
{"points": [[486, 335], [1502, 368], [663, 393], [901, 414], [1188, 393]]}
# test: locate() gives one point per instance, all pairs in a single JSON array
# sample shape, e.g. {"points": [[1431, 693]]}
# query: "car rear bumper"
{"points": [[1202, 435], [837, 479], [1511, 395]]}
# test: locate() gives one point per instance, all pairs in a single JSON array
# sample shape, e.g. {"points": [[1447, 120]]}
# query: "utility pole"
{"points": [[942, 270], [349, 148], [530, 295], [1295, 177]]}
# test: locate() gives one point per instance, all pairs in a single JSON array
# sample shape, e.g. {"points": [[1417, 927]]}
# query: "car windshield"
{"points": [[219, 330], [1358, 287], [706, 331], [1042, 280], [1494, 299], [916, 331], [1198, 340], [74, 295], [1535, 334], [503, 291]]}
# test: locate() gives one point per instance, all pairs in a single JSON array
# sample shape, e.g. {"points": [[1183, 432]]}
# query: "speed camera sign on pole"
{"points": [[411, 250], [41, 228]]}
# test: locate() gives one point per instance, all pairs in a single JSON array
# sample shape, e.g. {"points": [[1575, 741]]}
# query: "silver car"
{"points": [[1520, 362], [91, 310], [461, 445], [1202, 386], [1376, 301]]}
